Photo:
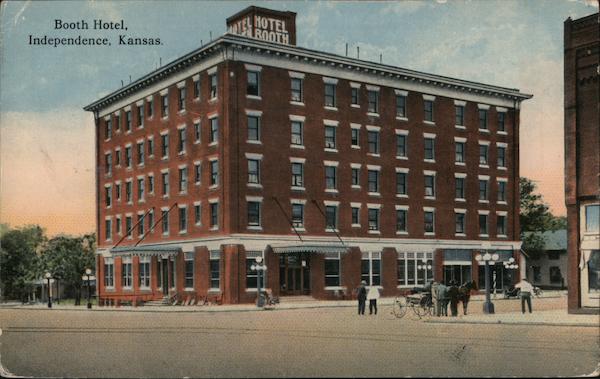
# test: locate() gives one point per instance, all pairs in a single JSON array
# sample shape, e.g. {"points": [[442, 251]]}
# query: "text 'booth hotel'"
{"points": [[333, 169]]}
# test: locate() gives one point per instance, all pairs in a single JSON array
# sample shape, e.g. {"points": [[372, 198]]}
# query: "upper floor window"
{"points": [[330, 95], [401, 183], [459, 222], [430, 149], [164, 145], [592, 218], [253, 213], [165, 221], [107, 129], [181, 100], [401, 106], [373, 216], [128, 121], [213, 85], [118, 121], [150, 107], [141, 187], [214, 173], [298, 215], [214, 129], [429, 185], [330, 137], [214, 215], [483, 224], [165, 183], [183, 219], [128, 158], [429, 218], [297, 90], [459, 187], [330, 177], [140, 116], [373, 142], [459, 152], [354, 96], [483, 189], [401, 218], [297, 133], [502, 191], [108, 196], [164, 106], [459, 115], [253, 88], [501, 156], [331, 216], [253, 128], [501, 225], [297, 174], [483, 155], [501, 122], [197, 88], [401, 145], [108, 163], [183, 179], [254, 171], [373, 181], [483, 119], [373, 106], [128, 191], [355, 137], [181, 140], [428, 110], [197, 132], [140, 153]]}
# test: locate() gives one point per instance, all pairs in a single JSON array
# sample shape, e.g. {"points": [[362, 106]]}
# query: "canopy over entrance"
{"points": [[310, 249], [146, 251]]}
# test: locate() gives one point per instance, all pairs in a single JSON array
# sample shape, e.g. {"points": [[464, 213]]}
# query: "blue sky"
{"points": [[517, 44]]}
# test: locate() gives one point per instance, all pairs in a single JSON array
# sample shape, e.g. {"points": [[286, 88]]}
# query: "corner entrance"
{"points": [[294, 274]]}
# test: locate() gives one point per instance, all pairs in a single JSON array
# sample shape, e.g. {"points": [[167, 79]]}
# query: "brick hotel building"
{"points": [[333, 169]]}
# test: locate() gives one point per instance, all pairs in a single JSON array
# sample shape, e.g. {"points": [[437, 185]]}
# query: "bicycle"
{"points": [[421, 305]]}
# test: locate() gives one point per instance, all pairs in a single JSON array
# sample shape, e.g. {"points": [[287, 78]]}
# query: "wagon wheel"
{"points": [[399, 307]]}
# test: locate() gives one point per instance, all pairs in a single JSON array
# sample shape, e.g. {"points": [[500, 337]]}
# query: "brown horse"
{"points": [[464, 293]]}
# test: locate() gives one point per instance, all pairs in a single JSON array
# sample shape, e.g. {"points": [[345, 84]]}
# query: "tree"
{"points": [[535, 218], [19, 260]]}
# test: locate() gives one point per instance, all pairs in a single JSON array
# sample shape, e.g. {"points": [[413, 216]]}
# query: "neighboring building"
{"points": [[333, 169], [582, 169], [550, 269]]}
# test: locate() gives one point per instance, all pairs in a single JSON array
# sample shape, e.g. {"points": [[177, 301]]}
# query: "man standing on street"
{"points": [[434, 298], [453, 295], [442, 300], [361, 294], [372, 296], [526, 290]]}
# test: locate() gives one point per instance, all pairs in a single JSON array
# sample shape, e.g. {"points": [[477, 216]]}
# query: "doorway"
{"points": [[294, 274]]}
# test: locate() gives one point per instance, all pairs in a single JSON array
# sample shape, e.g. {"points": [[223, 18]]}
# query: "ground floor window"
{"points": [[459, 273], [500, 278], [556, 277], [109, 272], [215, 270], [126, 275], [409, 273], [332, 269], [189, 270], [144, 275], [537, 274], [594, 272], [252, 275], [371, 268], [172, 272]]}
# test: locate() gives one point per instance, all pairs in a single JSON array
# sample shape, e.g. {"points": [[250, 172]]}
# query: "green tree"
{"points": [[19, 261]]}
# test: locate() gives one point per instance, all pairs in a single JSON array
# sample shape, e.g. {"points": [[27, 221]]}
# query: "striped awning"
{"points": [[310, 249], [146, 250]]}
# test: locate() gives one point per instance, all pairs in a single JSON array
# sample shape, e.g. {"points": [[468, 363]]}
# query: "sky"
{"points": [[47, 140]]}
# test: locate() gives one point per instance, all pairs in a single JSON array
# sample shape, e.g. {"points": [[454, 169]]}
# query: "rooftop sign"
{"points": [[264, 24]]}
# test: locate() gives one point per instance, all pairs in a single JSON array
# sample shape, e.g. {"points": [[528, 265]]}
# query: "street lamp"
{"points": [[88, 272], [510, 265], [489, 259], [48, 276], [424, 267], [258, 267]]}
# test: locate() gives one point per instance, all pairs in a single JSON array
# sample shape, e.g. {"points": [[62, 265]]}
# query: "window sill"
{"points": [[329, 230], [330, 150], [401, 233], [484, 235], [429, 197], [164, 118], [297, 147], [165, 158], [502, 236], [198, 225], [329, 190], [430, 233], [213, 100], [254, 185], [403, 157], [355, 105], [460, 235], [400, 118], [375, 194], [253, 227], [375, 232], [502, 203], [301, 104], [214, 290], [187, 289], [299, 229], [487, 131], [460, 199], [298, 188], [181, 232], [460, 163], [355, 186], [334, 288], [214, 186], [165, 234], [355, 147], [429, 160], [253, 97], [402, 196], [484, 201], [181, 112], [330, 108], [502, 168], [215, 143], [426, 122], [371, 114], [254, 142], [376, 155], [213, 228], [460, 127], [502, 133], [484, 166], [181, 153], [356, 225]]}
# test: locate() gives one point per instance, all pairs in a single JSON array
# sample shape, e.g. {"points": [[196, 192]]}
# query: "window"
{"points": [[354, 96], [252, 275], [165, 183], [298, 215], [373, 178], [483, 115], [330, 95], [140, 153], [253, 128], [373, 141], [401, 106], [172, 267], [409, 273], [107, 129], [213, 86], [214, 215], [128, 226], [214, 173], [501, 124], [537, 274], [483, 224], [164, 106], [128, 158], [151, 147], [429, 149], [108, 228], [197, 214], [483, 155], [117, 122], [140, 185], [501, 225], [197, 173], [128, 121], [118, 157], [332, 269], [373, 215], [181, 102], [214, 130], [355, 216], [459, 115], [356, 176], [140, 116], [183, 220], [150, 107], [329, 137], [501, 156], [253, 84], [355, 134], [330, 177], [297, 135], [189, 270], [118, 191], [373, 97], [164, 138], [144, 272], [592, 218], [429, 221], [254, 171], [459, 188], [253, 213], [108, 163], [428, 110], [459, 223], [331, 217], [297, 174], [459, 152], [297, 90], [429, 185], [150, 221], [401, 220], [401, 184], [181, 141], [371, 268], [554, 255], [128, 191], [165, 221], [556, 276], [215, 270], [483, 189], [126, 278], [502, 191], [197, 88], [197, 132], [401, 146], [183, 179], [109, 272]]}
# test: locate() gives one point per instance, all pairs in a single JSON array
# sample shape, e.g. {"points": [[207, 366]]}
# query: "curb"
{"points": [[516, 323]]}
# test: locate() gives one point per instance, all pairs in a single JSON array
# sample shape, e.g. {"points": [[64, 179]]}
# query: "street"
{"points": [[279, 343]]}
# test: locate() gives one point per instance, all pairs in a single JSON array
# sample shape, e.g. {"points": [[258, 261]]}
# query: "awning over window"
{"points": [[146, 250], [310, 249]]}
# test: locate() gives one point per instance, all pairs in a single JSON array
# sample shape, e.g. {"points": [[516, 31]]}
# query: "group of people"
{"points": [[363, 295], [442, 296]]}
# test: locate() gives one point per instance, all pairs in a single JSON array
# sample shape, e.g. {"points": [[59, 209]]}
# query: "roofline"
{"points": [[261, 9], [240, 41]]}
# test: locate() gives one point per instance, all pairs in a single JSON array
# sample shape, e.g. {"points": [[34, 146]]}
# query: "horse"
{"points": [[464, 294]]}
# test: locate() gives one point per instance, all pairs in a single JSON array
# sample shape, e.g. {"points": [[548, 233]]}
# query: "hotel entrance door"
{"points": [[294, 274]]}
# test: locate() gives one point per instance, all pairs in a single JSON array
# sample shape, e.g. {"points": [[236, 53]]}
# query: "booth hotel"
{"points": [[331, 169]]}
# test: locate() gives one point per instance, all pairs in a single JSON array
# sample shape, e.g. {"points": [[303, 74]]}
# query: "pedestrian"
{"points": [[372, 296], [443, 299], [361, 294], [434, 297], [453, 295], [526, 291]]}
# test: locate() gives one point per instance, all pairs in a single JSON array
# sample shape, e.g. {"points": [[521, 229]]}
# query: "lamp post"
{"points": [[510, 265], [424, 267], [48, 276], [88, 272], [258, 267], [489, 259]]}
